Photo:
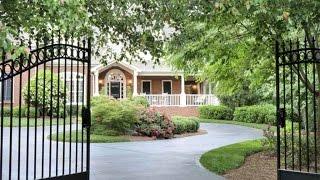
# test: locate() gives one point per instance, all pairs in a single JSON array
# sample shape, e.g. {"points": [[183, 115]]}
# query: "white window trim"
{"points": [[170, 84], [108, 83], [12, 94], [68, 74], [142, 81]]}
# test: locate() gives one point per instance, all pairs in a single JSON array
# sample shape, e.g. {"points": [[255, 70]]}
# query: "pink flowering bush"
{"points": [[154, 124]]}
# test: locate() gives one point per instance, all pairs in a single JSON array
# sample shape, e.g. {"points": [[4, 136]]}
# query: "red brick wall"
{"points": [[156, 83], [187, 111], [16, 79]]}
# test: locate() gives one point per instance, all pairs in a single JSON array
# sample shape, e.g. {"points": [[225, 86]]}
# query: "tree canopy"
{"points": [[233, 43]]}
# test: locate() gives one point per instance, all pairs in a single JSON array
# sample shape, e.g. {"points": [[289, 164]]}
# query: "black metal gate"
{"points": [[44, 105], [298, 110]]}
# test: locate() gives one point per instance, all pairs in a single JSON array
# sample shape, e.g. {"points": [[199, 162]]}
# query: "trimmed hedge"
{"points": [[216, 112], [261, 114], [185, 124]]}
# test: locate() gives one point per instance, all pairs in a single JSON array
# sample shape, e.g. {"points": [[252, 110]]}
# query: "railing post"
{"points": [[183, 98], [96, 83]]}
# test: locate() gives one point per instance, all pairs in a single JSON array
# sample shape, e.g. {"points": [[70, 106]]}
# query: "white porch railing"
{"points": [[177, 99], [163, 100], [201, 99]]}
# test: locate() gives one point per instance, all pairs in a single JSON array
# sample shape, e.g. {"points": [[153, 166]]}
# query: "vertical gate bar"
{"points": [[28, 114], [71, 103], [284, 104], [20, 102], [51, 105], [278, 103], [83, 100], [306, 110], [314, 106], [43, 106], [88, 106], [291, 98], [299, 109], [36, 114], [65, 102], [11, 128], [58, 105], [77, 118], [1, 135]]}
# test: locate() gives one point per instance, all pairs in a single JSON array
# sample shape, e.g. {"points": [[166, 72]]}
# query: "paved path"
{"points": [[175, 159]]}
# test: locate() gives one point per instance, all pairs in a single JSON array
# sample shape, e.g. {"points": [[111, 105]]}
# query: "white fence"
{"points": [[181, 100]]}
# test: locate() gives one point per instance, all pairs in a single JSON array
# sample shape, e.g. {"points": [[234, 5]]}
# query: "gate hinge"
{"points": [[86, 117], [282, 117]]}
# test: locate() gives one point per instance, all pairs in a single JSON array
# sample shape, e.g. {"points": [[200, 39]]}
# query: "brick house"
{"points": [[159, 84]]}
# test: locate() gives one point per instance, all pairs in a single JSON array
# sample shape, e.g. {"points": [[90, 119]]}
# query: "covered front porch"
{"points": [[161, 87]]}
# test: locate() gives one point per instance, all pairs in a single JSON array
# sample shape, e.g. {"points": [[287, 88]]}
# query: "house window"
{"points": [[146, 87], [72, 80], [166, 87], [7, 89]]}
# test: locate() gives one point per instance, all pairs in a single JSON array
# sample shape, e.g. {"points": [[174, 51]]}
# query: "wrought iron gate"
{"points": [[44, 105], [298, 110]]}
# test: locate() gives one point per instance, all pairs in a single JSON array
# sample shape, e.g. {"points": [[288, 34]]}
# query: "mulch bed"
{"points": [[146, 138], [260, 166]]}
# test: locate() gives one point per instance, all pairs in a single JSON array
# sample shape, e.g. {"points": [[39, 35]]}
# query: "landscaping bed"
{"points": [[132, 120], [260, 162], [229, 157]]}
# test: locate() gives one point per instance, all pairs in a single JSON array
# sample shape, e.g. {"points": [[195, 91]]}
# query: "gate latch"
{"points": [[282, 117], [86, 117]]}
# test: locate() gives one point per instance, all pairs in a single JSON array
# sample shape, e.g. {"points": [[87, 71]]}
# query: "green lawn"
{"points": [[229, 157], [15, 121], [93, 138], [252, 125]]}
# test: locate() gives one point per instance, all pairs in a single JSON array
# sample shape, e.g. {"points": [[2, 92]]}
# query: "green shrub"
{"points": [[6, 111], [154, 124], [185, 124], [140, 101], [216, 112], [119, 116], [44, 96], [15, 111], [261, 114], [32, 112]]}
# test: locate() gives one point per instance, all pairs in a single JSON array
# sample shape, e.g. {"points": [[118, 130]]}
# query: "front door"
{"points": [[115, 89]]}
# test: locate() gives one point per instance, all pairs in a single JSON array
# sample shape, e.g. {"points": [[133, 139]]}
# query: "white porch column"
{"points": [[135, 83], [96, 83], [210, 88], [183, 97]]}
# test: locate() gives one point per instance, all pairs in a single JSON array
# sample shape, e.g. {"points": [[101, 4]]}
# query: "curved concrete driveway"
{"points": [[175, 159]]}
